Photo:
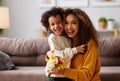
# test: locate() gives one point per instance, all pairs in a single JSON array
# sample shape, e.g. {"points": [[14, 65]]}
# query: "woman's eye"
{"points": [[74, 23]]}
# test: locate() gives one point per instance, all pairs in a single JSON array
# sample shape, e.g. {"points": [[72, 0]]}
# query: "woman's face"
{"points": [[71, 25]]}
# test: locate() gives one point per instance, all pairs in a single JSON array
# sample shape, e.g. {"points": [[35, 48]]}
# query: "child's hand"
{"points": [[82, 48], [55, 65], [50, 53]]}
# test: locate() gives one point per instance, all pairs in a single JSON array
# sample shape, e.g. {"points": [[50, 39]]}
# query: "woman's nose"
{"points": [[69, 26]]}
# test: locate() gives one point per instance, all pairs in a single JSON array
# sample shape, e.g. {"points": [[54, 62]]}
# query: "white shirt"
{"points": [[62, 48]]}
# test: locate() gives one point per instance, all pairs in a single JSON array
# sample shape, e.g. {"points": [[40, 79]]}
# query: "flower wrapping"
{"points": [[53, 62]]}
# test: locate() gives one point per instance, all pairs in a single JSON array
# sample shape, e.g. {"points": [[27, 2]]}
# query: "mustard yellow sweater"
{"points": [[85, 67]]}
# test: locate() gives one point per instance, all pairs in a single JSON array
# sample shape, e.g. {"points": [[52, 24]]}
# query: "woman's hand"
{"points": [[56, 71]]}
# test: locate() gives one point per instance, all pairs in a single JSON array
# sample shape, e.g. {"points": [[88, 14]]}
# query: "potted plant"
{"points": [[102, 22], [110, 23]]}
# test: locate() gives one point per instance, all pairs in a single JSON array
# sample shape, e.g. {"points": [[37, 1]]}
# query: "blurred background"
{"points": [[25, 15]]}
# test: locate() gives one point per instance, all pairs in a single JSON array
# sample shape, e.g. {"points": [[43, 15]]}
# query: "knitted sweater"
{"points": [[85, 67]]}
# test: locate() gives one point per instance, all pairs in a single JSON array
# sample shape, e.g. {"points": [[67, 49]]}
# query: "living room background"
{"points": [[25, 17]]}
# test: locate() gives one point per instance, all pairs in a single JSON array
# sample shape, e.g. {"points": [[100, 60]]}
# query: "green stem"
{"points": [[49, 75], [1, 31]]}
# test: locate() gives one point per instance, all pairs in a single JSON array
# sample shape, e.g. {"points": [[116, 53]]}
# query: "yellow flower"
{"points": [[52, 57], [54, 61]]}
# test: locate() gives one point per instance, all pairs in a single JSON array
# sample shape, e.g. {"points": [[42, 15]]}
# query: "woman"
{"points": [[80, 30]]}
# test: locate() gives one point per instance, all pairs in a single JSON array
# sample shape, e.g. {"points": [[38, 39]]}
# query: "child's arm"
{"points": [[66, 53], [82, 48], [56, 45]]}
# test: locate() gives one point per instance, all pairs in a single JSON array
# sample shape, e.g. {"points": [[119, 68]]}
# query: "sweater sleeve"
{"points": [[90, 68], [55, 45]]}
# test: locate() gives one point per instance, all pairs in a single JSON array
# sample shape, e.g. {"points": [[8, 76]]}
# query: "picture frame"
{"points": [[105, 3], [47, 3], [72, 3]]}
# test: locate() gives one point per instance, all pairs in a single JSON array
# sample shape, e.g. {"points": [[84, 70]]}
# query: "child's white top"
{"points": [[62, 47]]}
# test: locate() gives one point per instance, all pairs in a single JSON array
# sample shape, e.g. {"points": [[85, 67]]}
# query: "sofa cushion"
{"points": [[25, 51], [24, 74], [110, 47], [24, 46], [110, 73], [110, 61], [110, 51], [29, 60]]}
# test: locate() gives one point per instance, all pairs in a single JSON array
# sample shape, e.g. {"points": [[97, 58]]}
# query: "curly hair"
{"points": [[86, 29], [52, 12]]}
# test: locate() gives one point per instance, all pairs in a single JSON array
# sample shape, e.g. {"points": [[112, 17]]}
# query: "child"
{"points": [[58, 42]]}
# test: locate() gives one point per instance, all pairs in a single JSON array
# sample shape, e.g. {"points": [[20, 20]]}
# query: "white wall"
{"points": [[25, 17]]}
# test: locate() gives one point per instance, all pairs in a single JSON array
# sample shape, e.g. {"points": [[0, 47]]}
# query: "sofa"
{"points": [[109, 51], [28, 56]]}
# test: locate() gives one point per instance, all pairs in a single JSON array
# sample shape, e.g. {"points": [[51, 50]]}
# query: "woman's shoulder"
{"points": [[91, 42], [92, 45]]}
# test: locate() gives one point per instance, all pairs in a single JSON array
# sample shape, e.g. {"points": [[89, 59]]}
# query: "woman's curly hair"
{"points": [[52, 12], [86, 29]]}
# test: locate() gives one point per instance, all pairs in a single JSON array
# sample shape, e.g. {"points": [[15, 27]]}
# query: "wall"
{"points": [[25, 17]]}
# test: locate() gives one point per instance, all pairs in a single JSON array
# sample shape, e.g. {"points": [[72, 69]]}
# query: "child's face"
{"points": [[56, 24]]}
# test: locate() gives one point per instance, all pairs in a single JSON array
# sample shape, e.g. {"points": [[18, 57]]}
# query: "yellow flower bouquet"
{"points": [[53, 62]]}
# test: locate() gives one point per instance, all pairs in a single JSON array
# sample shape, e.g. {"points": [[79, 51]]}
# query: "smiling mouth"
{"points": [[58, 30], [70, 32]]}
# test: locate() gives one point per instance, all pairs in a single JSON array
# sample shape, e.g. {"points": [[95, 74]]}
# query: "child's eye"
{"points": [[65, 23], [52, 24]]}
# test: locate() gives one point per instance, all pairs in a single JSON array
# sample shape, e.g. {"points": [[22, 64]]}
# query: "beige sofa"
{"points": [[110, 59], [28, 56]]}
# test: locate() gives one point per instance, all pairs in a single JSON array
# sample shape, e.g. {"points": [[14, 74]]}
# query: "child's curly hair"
{"points": [[52, 12]]}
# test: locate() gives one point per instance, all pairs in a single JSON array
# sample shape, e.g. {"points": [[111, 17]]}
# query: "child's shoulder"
{"points": [[52, 36]]}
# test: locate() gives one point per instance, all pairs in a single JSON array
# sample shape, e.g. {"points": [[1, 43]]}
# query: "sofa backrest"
{"points": [[24, 46], [25, 51], [110, 51], [32, 51]]}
